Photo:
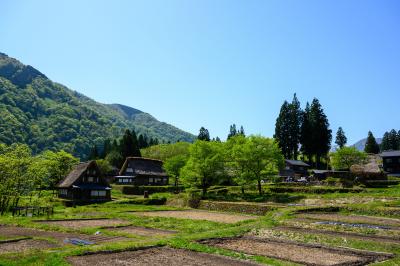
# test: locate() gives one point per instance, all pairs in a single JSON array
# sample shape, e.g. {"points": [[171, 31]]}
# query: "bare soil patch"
{"points": [[307, 254], [14, 231], [25, 245], [200, 215], [352, 219], [79, 223], [142, 231], [156, 257], [386, 239]]}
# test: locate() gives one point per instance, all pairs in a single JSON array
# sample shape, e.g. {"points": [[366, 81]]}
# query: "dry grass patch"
{"points": [[142, 231], [156, 257], [352, 218], [200, 215], [24, 245]]}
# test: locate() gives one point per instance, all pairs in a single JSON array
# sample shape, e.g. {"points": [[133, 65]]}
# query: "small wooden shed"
{"points": [[85, 183]]}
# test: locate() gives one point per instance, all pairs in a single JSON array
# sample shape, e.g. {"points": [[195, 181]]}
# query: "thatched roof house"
{"points": [[391, 162], [142, 171], [294, 168], [370, 169], [84, 183]]}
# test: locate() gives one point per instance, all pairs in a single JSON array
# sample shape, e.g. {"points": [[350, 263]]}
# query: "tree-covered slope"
{"points": [[48, 115]]}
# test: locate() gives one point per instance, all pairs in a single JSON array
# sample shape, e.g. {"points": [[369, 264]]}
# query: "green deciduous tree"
{"points": [[174, 165], [344, 158]]}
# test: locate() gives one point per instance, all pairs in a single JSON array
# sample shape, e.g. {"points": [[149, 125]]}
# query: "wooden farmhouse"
{"points": [[85, 183], [139, 171], [294, 168], [391, 162]]}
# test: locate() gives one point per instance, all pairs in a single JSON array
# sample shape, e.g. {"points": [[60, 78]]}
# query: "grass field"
{"points": [[136, 226]]}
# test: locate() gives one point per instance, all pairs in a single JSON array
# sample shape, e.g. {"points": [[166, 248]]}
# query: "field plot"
{"points": [[156, 257], [79, 223], [142, 231], [200, 215], [24, 245], [386, 239], [352, 219], [14, 231], [297, 252]]}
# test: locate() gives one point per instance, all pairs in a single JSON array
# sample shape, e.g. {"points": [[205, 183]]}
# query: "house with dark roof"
{"points": [[140, 171], [391, 162], [294, 168], [85, 183]]}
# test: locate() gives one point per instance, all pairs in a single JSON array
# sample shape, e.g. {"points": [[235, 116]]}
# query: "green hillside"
{"points": [[48, 115]]}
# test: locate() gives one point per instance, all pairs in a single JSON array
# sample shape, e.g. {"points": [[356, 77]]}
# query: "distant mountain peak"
{"points": [[360, 145], [127, 111]]}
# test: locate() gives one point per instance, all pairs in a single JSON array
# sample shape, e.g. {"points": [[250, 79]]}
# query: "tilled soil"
{"points": [[142, 231], [352, 219], [14, 231], [25, 245], [200, 215], [308, 254], [386, 239], [156, 257], [79, 223]]}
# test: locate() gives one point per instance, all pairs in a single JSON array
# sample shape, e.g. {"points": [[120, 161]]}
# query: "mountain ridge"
{"points": [[48, 115]]}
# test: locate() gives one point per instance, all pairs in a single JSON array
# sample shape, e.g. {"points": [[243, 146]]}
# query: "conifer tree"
{"points": [[232, 131], [393, 140], [306, 140], [295, 117], [282, 129], [385, 145], [241, 131], [203, 134], [94, 153], [371, 145], [341, 139]]}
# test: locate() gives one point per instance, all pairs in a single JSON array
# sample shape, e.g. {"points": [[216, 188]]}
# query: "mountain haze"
{"points": [[47, 115]]}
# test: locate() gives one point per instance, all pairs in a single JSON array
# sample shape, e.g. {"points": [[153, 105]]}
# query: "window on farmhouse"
{"points": [[389, 160], [90, 179], [97, 193]]}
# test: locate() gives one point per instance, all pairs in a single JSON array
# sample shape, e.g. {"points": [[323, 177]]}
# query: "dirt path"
{"points": [[14, 231], [142, 231], [156, 257], [79, 223], [24, 245], [200, 215], [297, 252]]}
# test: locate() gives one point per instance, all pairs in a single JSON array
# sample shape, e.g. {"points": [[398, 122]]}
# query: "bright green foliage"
{"points": [[254, 158], [341, 139], [371, 145], [48, 116], [104, 166], [174, 165], [165, 151], [204, 165], [345, 157]]}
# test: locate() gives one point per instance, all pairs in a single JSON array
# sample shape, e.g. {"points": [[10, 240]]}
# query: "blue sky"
{"points": [[214, 63]]}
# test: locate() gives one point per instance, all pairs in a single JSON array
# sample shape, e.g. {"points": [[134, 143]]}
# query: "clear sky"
{"points": [[213, 63]]}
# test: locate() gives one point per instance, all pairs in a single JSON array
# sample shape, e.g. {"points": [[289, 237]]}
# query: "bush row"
{"points": [[143, 201], [139, 190], [314, 190], [248, 208]]}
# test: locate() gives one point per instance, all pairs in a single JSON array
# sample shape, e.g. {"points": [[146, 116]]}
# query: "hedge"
{"points": [[139, 190], [241, 207], [143, 201], [314, 190]]}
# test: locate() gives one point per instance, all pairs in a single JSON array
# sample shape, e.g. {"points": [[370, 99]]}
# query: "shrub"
{"points": [[139, 190]]}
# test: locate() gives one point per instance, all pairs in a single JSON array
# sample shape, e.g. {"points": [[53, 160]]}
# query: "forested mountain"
{"points": [[47, 115]]}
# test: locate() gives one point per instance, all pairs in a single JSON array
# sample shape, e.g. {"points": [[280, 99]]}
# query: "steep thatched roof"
{"points": [[390, 154], [297, 163], [371, 165], [75, 174], [143, 166]]}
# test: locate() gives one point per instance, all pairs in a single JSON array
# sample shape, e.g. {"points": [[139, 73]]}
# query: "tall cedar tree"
{"points": [[295, 126], [203, 134], [94, 153], [393, 139], [320, 136], [371, 145], [129, 145], [288, 128], [306, 140], [232, 131], [241, 131], [341, 139], [282, 129], [385, 145]]}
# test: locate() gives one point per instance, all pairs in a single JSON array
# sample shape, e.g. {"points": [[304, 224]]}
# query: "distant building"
{"points": [[85, 183], [391, 162], [294, 168], [139, 171]]}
